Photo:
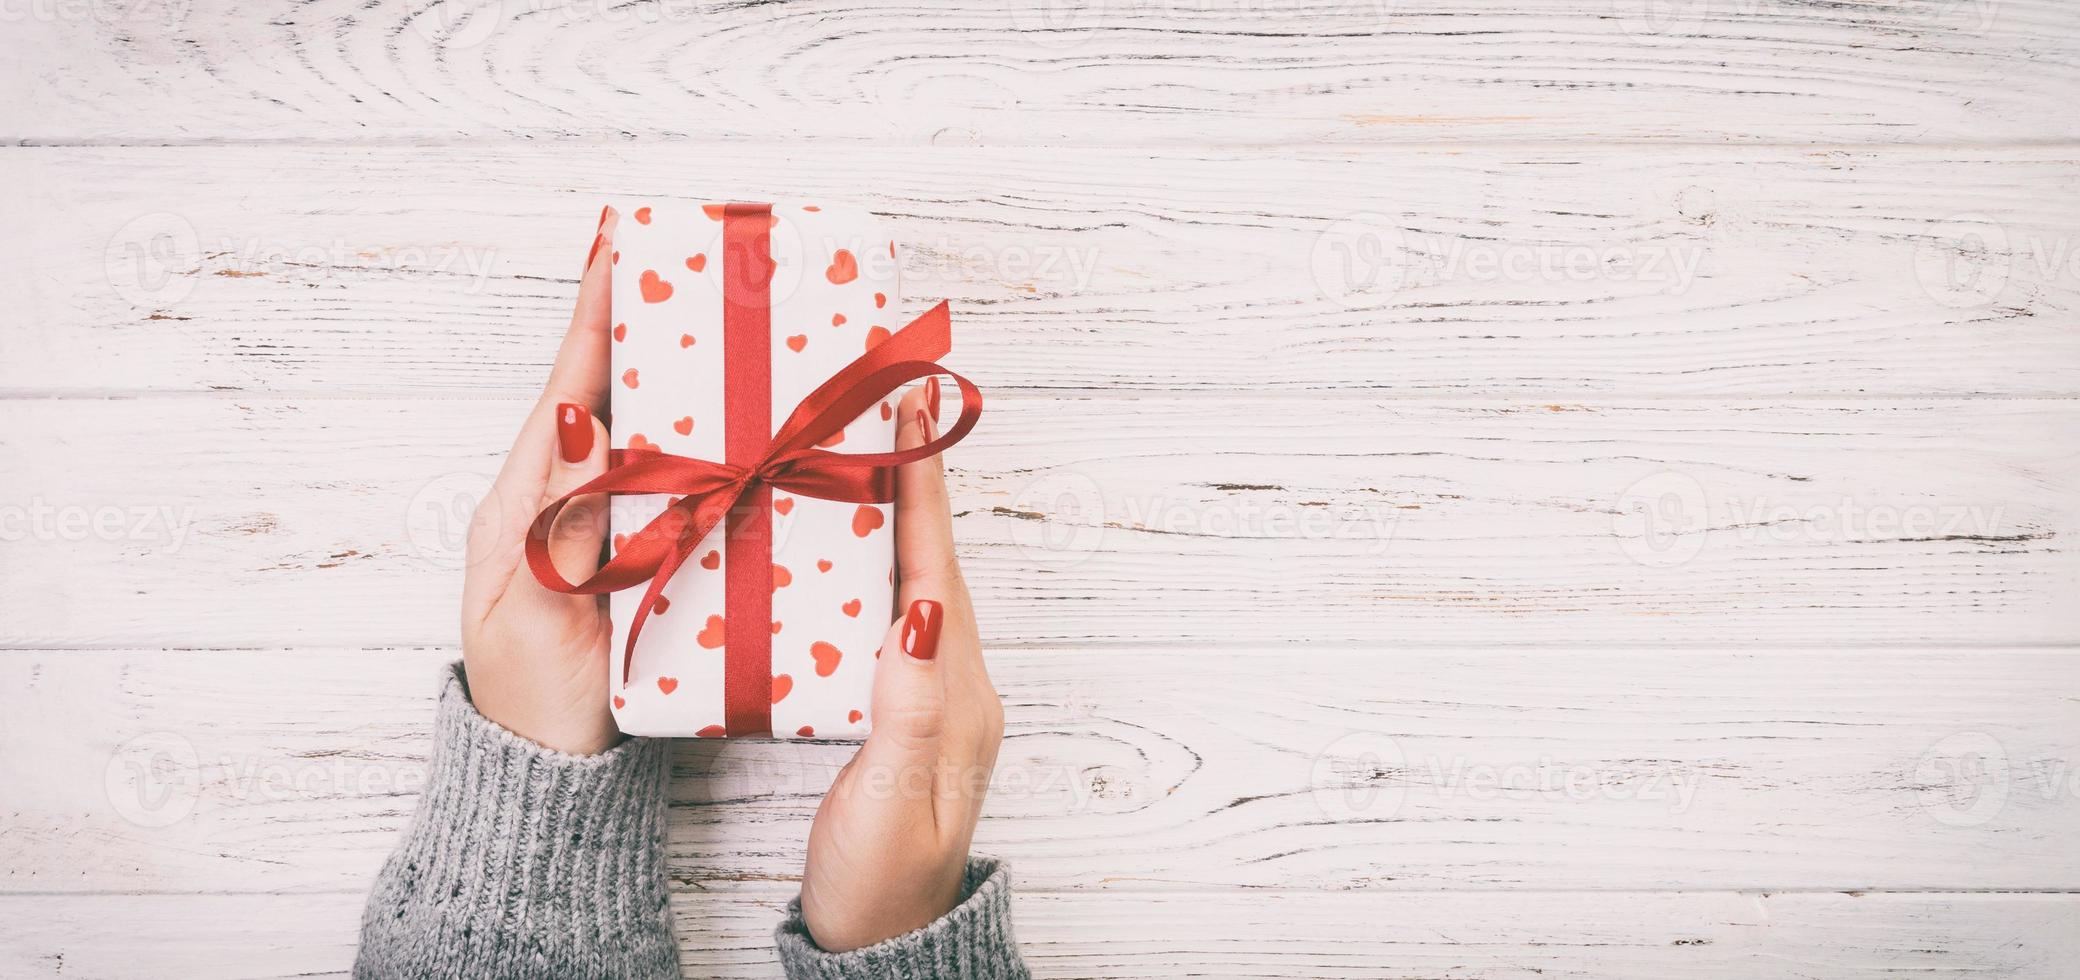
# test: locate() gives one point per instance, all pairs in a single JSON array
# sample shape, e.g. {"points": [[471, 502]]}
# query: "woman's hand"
{"points": [[890, 845], [536, 659]]}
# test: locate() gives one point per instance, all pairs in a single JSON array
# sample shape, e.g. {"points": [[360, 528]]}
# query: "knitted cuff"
{"points": [[525, 862], [972, 942]]}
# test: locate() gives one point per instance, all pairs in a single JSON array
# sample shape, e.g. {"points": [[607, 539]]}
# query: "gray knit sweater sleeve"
{"points": [[972, 942], [524, 863]]}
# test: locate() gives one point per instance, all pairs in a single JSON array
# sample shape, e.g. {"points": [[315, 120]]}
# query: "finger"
{"points": [[580, 530], [498, 532], [924, 518], [909, 704], [580, 374]]}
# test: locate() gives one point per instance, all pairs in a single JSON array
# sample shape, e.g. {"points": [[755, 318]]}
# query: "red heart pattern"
{"points": [[655, 289], [668, 684], [686, 340], [797, 342], [823, 564], [784, 505], [782, 578], [844, 268], [712, 560], [642, 216], [699, 262], [684, 426], [850, 609], [826, 657], [710, 637], [782, 685], [866, 519], [621, 333]]}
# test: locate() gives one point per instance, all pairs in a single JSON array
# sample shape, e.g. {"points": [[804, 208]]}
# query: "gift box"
{"points": [[726, 318]]}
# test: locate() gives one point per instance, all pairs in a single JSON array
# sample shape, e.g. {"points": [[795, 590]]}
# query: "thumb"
{"points": [[909, 695], [581, 456]]}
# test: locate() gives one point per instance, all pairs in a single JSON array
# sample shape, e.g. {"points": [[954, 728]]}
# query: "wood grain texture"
{"points": [[1146, 770], [1282, 935], [1039, 73], [1540, 273], [1108, 520]]}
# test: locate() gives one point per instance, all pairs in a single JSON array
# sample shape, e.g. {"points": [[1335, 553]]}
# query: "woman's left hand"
{"points": [[536, 659]]}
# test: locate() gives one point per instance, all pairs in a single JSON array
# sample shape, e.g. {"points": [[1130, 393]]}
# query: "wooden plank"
{"points": [[1039, 74], [1391, 769], [1383, 936], [1535, 273], [1105, 520]]}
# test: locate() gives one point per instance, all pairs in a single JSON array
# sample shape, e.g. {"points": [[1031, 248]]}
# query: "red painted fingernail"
{"points": [[931, 396], [921, 629], [573, 432], [599, 236]]}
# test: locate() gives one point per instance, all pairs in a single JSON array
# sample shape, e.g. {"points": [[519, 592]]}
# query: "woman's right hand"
{"points": [[889, 849]]}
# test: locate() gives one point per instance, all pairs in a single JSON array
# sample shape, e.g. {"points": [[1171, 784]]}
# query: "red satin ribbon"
{"points": [[710, 491]]}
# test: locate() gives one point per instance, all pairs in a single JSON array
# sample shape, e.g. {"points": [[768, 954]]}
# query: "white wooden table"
{"points": [[1573, 488]]}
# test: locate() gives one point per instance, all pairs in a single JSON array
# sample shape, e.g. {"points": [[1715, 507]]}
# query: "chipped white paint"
{"points": [[1577, 490]]}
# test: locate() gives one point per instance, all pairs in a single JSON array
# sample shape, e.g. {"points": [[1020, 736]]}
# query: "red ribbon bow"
{"points": [[711, 490]]}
